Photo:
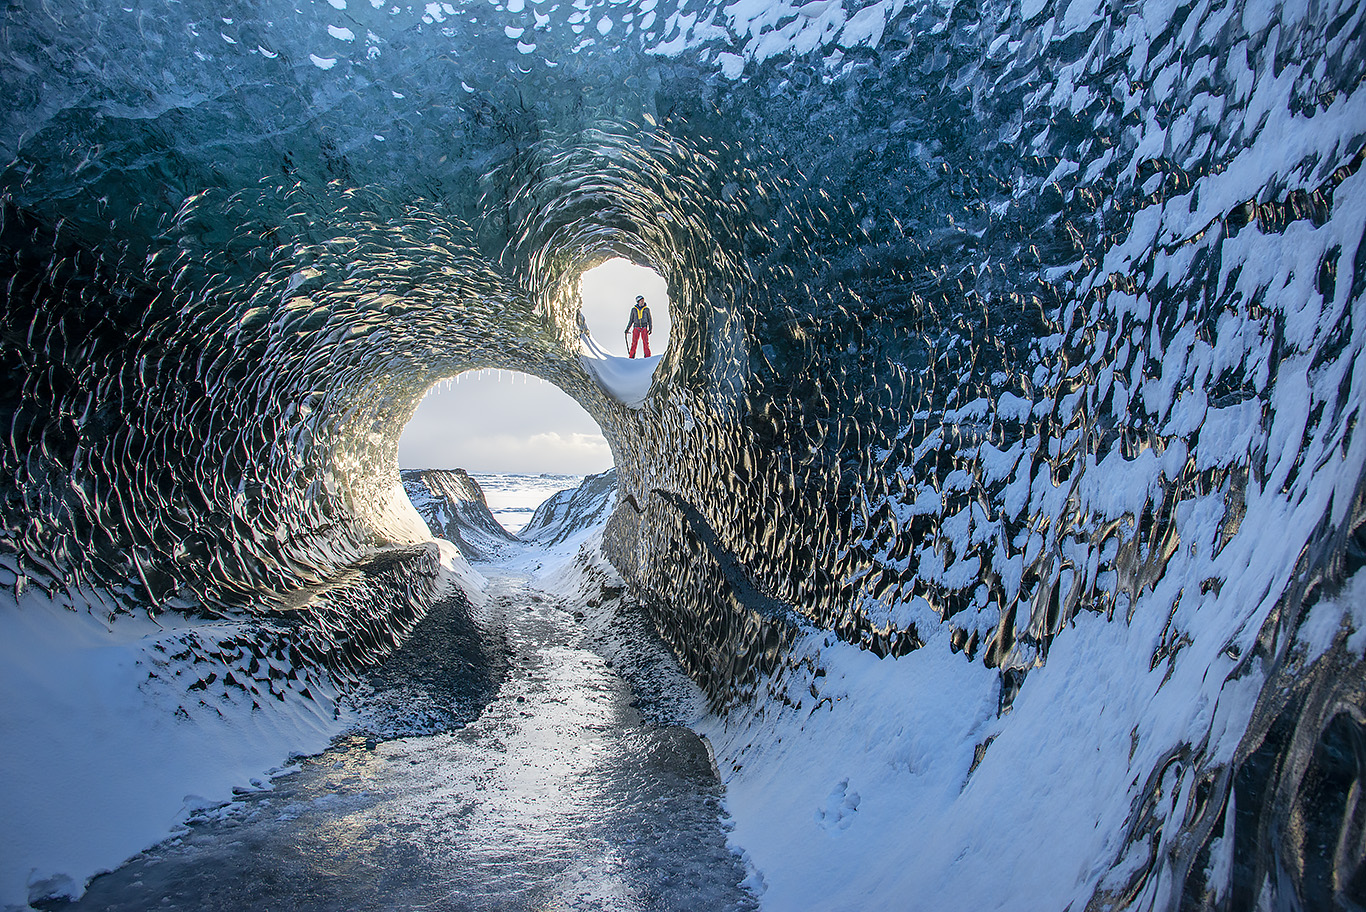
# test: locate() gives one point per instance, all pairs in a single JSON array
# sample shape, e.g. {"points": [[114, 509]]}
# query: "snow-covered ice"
{"points": [[626, 380], [107, 752]]}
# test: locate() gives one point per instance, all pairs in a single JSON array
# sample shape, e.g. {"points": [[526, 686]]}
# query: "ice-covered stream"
{"points": [[575, 787]]}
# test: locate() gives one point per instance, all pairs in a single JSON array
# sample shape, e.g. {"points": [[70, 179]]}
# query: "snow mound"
{"points": [[627, 380], [570, 512]]}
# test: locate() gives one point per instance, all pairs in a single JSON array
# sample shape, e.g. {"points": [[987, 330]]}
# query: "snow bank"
{"points": [[865, 781], [105, 752], [626, 380], [110, 742], [457, 571]]}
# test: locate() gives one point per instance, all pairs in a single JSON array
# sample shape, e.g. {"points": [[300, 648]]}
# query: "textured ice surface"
{"points": [[1019, 342]]}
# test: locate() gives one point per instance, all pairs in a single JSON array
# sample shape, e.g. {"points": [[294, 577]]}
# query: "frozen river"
{"points": [[527, 757]]}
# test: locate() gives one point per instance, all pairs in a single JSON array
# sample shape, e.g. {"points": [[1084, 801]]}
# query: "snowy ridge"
{"points": [[453, 506], [570, 512]]}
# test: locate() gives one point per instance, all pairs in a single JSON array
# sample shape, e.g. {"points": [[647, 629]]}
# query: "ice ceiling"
{"points": [[985, 314]]}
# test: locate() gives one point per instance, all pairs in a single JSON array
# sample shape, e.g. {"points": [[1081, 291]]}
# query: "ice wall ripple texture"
{"points": [[986, 315]]}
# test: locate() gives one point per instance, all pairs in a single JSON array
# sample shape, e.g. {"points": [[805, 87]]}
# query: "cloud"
{"points": [[575, 454], [503, 422]]}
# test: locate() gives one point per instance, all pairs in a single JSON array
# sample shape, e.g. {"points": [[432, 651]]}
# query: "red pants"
{"points": [[643, 336]]}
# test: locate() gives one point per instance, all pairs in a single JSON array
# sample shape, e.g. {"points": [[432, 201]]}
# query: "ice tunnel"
{"points": [[1001, 328]]}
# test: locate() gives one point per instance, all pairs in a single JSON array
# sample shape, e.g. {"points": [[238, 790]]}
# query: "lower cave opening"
{"points": [[519, 437]]}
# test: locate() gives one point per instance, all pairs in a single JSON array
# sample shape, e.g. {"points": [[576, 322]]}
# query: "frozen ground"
{"points": [[530, 753]]}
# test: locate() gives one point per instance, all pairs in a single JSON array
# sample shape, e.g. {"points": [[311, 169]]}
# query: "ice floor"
{"points": [[574, 788]]}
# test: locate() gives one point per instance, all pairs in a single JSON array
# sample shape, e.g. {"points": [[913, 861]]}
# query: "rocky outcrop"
{"points": [[452, 504]]}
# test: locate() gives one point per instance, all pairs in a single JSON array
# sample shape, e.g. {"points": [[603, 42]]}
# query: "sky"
{"points": [[500, 421]]}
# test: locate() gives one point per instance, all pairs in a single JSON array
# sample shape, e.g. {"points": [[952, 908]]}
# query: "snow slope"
{"points": [[626, 380], [109, 750], [569, 512]]}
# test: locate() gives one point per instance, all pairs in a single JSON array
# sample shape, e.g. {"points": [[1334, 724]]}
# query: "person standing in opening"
{"points": [[640, 326]]}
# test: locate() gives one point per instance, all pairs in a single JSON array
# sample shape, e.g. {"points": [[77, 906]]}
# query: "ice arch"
{"points": [[991, 317]]}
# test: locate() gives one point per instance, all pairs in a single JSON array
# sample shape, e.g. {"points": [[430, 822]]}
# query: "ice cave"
{"points": [[998, 493]]}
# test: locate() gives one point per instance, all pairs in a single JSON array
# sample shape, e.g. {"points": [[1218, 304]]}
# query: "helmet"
{"points": [[640, 298]]}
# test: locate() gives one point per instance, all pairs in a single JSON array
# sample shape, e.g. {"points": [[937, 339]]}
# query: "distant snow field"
{"points": [[512, 498]]}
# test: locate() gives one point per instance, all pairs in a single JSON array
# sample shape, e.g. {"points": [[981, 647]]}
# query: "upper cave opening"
{"points": [[607, 293]]}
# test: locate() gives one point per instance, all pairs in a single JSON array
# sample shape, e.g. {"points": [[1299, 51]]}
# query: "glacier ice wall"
{"points": [[986, 314]]}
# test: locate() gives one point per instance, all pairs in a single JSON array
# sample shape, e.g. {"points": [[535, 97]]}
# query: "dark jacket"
{"points": [[640, 316]]}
